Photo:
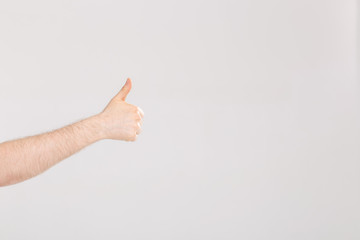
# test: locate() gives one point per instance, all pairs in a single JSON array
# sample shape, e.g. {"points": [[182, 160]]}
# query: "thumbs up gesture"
{"points": [[121, 120]]}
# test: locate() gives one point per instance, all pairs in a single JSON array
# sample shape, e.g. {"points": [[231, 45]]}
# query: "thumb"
{"points": [[125, 90]]}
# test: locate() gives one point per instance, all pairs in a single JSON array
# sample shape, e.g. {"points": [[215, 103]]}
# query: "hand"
{"points": [[121, 120]]}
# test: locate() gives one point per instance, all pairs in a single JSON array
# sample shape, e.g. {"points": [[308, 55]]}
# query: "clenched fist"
{"points": [[121, 120]]}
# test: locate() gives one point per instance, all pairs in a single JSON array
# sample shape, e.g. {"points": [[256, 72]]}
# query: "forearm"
{"points": [[27, 157]]}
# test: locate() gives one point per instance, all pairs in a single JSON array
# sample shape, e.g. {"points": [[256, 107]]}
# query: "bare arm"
{"points": [[27, 157]]}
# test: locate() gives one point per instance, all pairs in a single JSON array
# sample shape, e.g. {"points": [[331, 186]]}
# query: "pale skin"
{"points": [[28, 157]]}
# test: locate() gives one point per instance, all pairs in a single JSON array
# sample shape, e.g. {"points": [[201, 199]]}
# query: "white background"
{"points": [[251, 118]]}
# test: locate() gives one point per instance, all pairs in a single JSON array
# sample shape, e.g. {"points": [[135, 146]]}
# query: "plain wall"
{"points": [[251, 124]]}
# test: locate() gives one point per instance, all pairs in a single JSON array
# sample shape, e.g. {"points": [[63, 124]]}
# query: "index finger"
{"points": [[141, 112]]}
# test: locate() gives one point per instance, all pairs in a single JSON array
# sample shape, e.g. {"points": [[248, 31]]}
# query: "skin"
{"points": [[28, 157]]}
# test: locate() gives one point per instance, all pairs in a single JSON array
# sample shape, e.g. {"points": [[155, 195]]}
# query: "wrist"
{"points": [[96, 127]]}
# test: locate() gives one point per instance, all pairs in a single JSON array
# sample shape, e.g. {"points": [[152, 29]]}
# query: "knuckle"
{"points": [[136, 116], [131, 138], [141, 112]]}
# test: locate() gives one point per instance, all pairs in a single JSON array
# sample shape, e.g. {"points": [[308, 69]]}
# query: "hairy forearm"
{"points": [[27, 157]]}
